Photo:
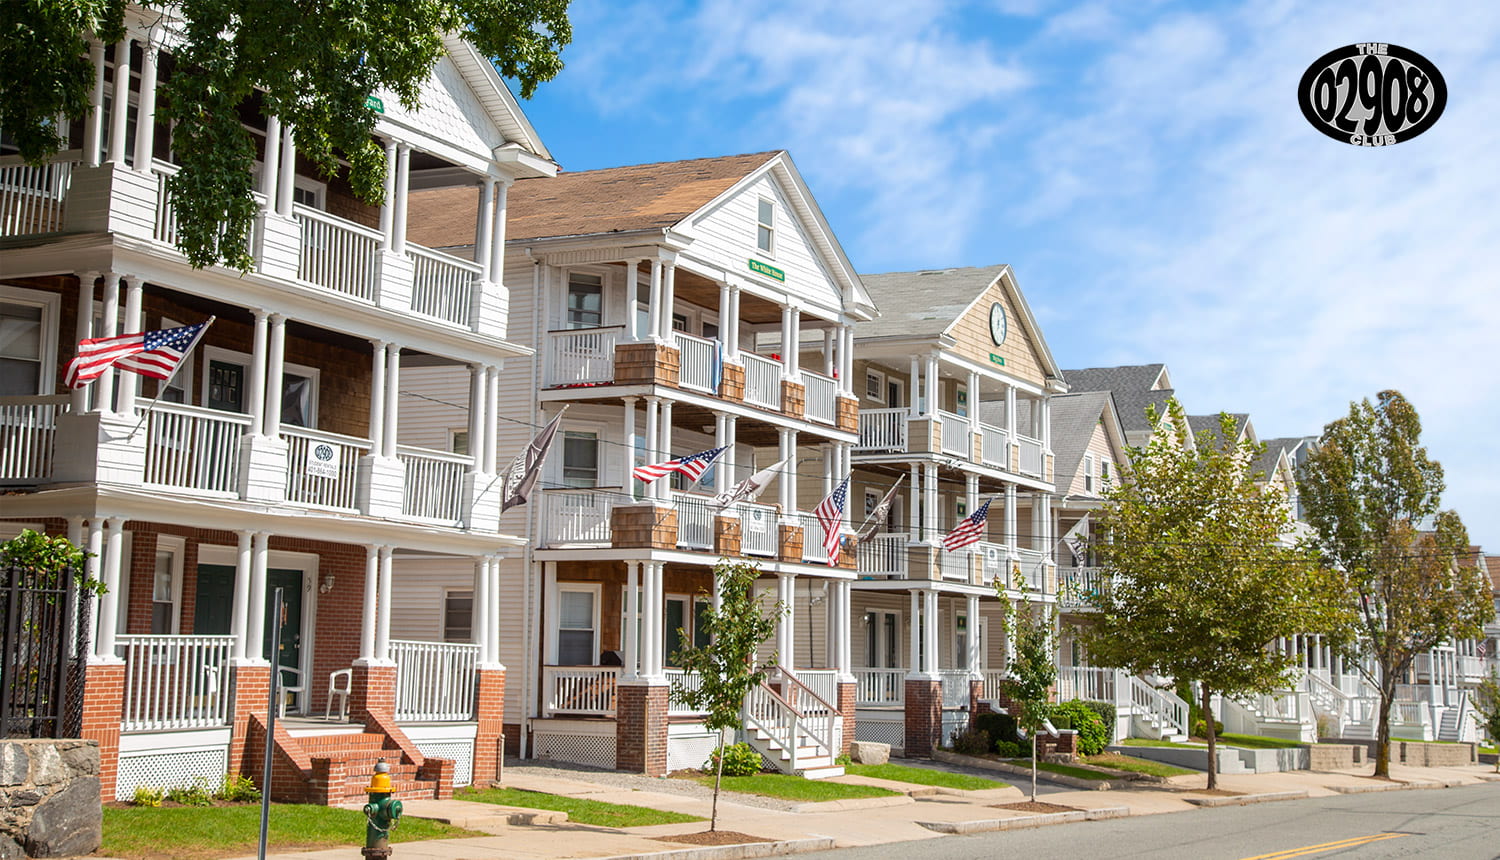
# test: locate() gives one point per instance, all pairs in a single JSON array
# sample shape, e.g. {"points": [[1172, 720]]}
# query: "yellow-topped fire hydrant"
{"points": [[382, 813]]}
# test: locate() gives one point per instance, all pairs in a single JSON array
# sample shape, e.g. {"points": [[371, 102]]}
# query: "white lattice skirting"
{"points": [[462, 753], [595, 750], [880, 731], [165, 770], [690, 747]]}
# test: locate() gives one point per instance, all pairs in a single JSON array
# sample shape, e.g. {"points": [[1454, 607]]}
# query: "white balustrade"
{"points": [[322, 469], [1092, 683], [582, 356], [434, 483], [821, 394], [1080, 587], [435, 681], [954, 684], [442, 284], [956, 566], [700, 366], [1170, 712], [577, 517], [992, 447], [760, 534], [955, 435], [813, 549], [882, 430], [684, 680], [28, 435], [337, 254], [879, 687], [762, 381], [175, 682], [579, 690], [883, 555], [1471, 668], [994, 562], [824, 682], [1033, 571], [165, 227], [994, 680], [192, 448], [1031, 455], [695, 520], [34, 199]]}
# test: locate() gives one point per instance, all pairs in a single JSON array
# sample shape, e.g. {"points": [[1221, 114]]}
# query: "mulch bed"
{"points": [[712, 837], [1038, 806]]}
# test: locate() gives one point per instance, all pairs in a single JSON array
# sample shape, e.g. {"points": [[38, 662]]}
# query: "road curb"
{"points": [[745, 851], [1415, 785], [854, 803], [1023, 822], [1246, 799], [1043, 775]]}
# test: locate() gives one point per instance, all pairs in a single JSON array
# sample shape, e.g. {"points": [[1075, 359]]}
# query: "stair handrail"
{"points": [[1165, 705], [823, 721], [1463, 713], [1331, 697], [774, 723]]}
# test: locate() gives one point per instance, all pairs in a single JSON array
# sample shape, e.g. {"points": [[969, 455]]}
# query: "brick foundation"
{"points": [[103, 702], [372, 691], [489, 735], [977, 705], [924, 717], [250, 692], [641, 729], [847, 699]]}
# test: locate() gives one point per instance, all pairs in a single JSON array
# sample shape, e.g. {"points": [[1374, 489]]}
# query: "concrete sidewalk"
{"points": [[804, 827]]}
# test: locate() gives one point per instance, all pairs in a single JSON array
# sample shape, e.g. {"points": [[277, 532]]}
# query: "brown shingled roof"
{"points": [[1492, 566], [589, 202]]}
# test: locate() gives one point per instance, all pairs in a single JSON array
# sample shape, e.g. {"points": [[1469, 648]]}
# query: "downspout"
{"points": [[529, 690]]}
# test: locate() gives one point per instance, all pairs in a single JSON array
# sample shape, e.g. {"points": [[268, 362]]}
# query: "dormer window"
{"points": [[765, 230]]}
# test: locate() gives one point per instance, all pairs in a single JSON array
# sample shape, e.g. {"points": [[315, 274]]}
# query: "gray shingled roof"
{"points": [[922, 303], [1074, 417], [1210, 423], [1131, 386]]}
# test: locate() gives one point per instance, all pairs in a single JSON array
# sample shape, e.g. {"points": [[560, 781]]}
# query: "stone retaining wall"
{"points": [[49, 798]]}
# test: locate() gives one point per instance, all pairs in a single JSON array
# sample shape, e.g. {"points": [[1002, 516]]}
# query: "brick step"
{"points": [[418, 789], [316, 744], [362, 769], [353, 757]]}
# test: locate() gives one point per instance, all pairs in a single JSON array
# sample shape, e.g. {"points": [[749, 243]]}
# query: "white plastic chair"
{"points": [[342, 691], [286, 690]]}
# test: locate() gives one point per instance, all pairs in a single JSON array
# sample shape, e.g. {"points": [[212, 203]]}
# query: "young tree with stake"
{"points": [[1032, 629]]}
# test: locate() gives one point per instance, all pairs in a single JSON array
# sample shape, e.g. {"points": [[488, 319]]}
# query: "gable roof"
{"points": [[1492, 567], [1210, 424], [923, 303], [1133, 387], [1274, 448], [1074, 417]]}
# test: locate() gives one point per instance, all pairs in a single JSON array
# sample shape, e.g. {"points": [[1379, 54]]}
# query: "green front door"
{"points": [[290, 581], [214, 610], [215, 601]]}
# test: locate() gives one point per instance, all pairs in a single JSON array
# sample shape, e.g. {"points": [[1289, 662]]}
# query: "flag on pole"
{"points": [[748, 489], [882, 512], [1481, 650], [969, 531], [830, 514], [693, 466], [152, 353], [1073, 538], [526, 469]]}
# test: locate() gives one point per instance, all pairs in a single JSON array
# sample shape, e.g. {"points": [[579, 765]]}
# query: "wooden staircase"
{"points": [[796, 730]]}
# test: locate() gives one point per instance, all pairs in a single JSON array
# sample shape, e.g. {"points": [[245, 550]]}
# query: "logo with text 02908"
{"points": [[1372, 94]]}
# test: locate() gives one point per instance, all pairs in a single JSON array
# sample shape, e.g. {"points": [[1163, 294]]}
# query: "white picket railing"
{"points": [[34, 199], [956, 566], [762, 381], [789, 720], [699, 357], [1079, 587], [582, 356], [311, 450], [879, 687], [28, 436], [955, 435], [435, 681], [760, 533], [165, 229], [822, 393], [579, 690], [882, 430], [442, 284], [192, 448], [994, 562], [993, 450], [994, 679], [812, 537], [695, 520], [1093, 683], [1033, 571], [823, 682], [577, 517], [681, 679], [883, 555], [1031, 455], [337, 254], [434, 483], [1170, 712], [175, 682], [954, 684]]}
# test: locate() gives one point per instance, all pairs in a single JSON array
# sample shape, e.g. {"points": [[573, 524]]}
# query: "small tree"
{"points": [[726, 668], [1201, 580], [1032, 629], [1486, 703], [1373, 497]]}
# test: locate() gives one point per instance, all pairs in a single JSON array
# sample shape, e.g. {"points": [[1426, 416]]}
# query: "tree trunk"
{"points": [[713, 818], [1033, 767], [1383, 733], [1208, 730]]}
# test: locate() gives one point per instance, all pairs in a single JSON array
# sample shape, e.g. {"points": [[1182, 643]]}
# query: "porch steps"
{"points": [[354, 756], [1448, 729], [810, 764]]}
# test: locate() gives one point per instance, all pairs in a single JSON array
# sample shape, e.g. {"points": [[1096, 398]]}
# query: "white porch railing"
{"points": [[1031, 455], [762, 381], [955, 687], [579, 690], [165, 230], [435, 680], [682, 679], [824, 682], [442, 284], [992, 447], [175, 682], [34, 199], [1168, 711], [812, 537], [879, 687], [699, 359], [337, 254], [883, 554], [955, 435], [192, 448], [1093, 683], [1033, 571], [822, 394], [582, 356], [882, 430], [1079, 587], [789, 721], [1471, 668], [994, 562], [28, 435], [760, 535], [309, 450], [434, 483], [956, 566], [577, 517], [695, 521], [993, 680]]}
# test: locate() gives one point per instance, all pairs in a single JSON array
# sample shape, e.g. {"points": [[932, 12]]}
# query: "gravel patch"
{"points": [[640, 782]]}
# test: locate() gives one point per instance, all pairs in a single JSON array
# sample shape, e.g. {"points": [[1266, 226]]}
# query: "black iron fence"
{"points": [[44, 643]]}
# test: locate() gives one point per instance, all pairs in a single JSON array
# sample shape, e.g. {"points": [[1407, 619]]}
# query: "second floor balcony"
{"points": [[898, 556]]}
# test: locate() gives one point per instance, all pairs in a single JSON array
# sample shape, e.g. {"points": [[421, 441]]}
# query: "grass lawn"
{"points": [[1064, 769], [1256, 742], [1147, 742], [923, 776], [579, 810], [196, 833], [1136, 765], [789, 787]]}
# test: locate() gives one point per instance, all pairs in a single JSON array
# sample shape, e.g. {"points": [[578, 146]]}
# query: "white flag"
{"points": [[1074, 539], [748, 489]]}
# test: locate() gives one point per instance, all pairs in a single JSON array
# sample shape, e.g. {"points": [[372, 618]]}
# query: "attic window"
{"points": [[765, 230], [1088, 473]]}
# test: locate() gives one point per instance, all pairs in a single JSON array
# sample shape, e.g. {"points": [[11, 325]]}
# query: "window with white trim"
{"points": [[458, 615], [166, 586], [226, 384], [28, 341], [577, 626], [1088, 473], [875, 385], [580, 459], [765, 226], [585, 300]]}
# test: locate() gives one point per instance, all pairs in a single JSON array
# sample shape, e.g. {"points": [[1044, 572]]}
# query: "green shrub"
{"points": [[1007, 749], [739, 760], [1200, 728], [971, 742], [843, 760], [196, 794], [238, 788], [145, 795], [1106, 712], [1000, 727], [1093, 735]]}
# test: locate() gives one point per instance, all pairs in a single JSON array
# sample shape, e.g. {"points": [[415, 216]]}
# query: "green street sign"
{"points": [[760, 268], [1000, 360], [375, 104]]}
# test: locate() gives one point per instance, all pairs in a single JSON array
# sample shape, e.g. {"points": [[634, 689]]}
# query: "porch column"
{"points": [[788, 451], [109, 604], [914, 635], [145, 117], [730, 459], [256, 399], [119, 102], [724, 317], [846, 360], [480, 618], [668, 298], [786, 624], [730, 330], [270, 161], [484, 230], [722, 439], [83, 326], [914, 389], [930, 527], [478, 413], [383, 618], [239, 616], [627, 456], [971, 639], [630, 634], [271, 418], [845, 590], [255, 631], [630, 276], [1010, 518], [655, 312], [377, 396], [930, 632], [94, 565], [403, 183], [846, 468], [790, 321], [652, 636], [132, 323], [371, 603], [497, 233], [1010, 423], [914, 506], [931, 381], [653, 455], [830, 466], [971, 494], [664, 485], [492, 420], [493, 636], [829, 368], [104, 389], [286, 173], [93, 123], [971, 391], [388, 199], [392, 400], [1044, 409]]}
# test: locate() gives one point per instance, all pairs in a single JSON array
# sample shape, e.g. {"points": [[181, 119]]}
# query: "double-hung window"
{"points": [[585, 300], [28, 322], [1088, 473], [765, 228], [580, 459], [458, 615], [576, 633]]}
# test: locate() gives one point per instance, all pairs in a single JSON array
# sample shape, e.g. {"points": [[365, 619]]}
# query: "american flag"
{"points": [[693, 466], [153, 353], [969, 531], [830, 513]]}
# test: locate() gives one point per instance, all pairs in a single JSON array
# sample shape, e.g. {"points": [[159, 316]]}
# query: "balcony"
{"points": [[896, 556], [897, 431], [1079, 587]]}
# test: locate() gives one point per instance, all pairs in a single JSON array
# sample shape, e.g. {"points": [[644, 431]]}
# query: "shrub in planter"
{"points": [[1093, 735], [1000, 727], [739, 760], [971, 742], [1007, 749]]}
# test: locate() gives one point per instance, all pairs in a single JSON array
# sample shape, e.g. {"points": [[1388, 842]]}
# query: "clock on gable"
{"points": [[997, 324]]}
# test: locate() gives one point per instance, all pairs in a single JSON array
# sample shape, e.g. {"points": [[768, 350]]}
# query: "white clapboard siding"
{"points": [[450, 112], [428, 420], [418, 589], [513, 634]]}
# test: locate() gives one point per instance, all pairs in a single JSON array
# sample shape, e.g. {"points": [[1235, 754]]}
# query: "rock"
{"points": [[25, 797], [68, 823], [47, 765], [15, 764], [10, 849], [83, 758], [869, 752]]}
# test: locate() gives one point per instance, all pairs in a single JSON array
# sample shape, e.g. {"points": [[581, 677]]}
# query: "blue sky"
{"points": [[1142, 165]]}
